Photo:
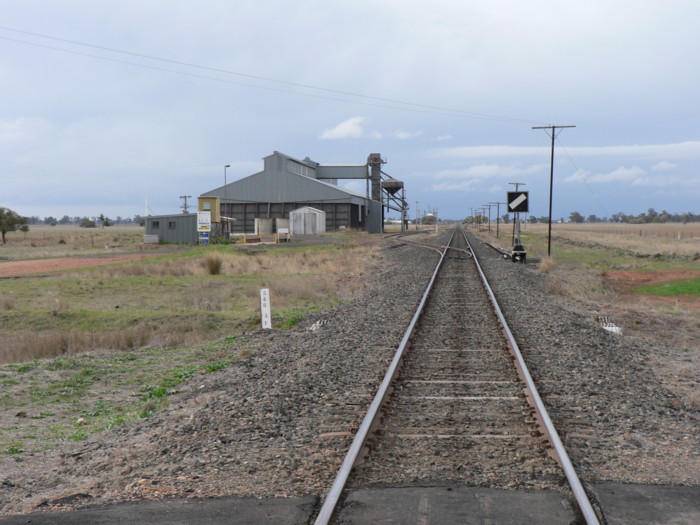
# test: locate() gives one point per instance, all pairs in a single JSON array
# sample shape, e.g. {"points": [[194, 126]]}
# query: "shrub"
{"points": [[547, 264], [213, 263]]}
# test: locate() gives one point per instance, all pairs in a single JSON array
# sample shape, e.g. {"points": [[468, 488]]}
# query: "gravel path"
{"points": [[278, 423]]}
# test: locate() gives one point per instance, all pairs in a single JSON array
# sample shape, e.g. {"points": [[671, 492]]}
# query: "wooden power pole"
{"points": [[551, 181]]}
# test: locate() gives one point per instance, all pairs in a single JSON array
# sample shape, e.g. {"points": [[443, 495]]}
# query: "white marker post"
{"points": [[265, 308]]}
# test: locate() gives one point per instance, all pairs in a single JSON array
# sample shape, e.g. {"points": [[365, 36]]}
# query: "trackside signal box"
{"points": [[518, 202]]}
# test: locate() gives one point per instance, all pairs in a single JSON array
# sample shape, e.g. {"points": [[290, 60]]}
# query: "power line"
{"points": [[410, 106], [580, 173]]}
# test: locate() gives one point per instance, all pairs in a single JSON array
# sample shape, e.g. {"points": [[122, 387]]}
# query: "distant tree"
{"points": [[51, 221], [664, 216], [505, 218], [104, 221], [11, 221], [64, 220], [543, 219], [34, 219], [575, 216], [592, 218], [532, 219], [87, 223]]}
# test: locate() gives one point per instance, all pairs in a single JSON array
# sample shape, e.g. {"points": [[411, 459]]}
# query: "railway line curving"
{"points": [[457, 403]]}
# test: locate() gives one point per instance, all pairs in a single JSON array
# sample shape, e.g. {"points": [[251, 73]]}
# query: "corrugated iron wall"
{"points": [[338, 215]]}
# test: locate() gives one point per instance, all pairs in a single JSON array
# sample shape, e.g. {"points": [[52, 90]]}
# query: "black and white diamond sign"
{"points": [[517, 202]]}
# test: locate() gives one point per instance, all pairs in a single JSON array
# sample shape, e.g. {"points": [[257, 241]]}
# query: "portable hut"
{"points": [[307, 221]]}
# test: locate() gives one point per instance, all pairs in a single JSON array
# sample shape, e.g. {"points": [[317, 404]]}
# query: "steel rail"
{"points": [[564, 460], [358, 442]]}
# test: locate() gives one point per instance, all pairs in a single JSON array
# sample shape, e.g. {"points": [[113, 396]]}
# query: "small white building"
{"points": [[307, 221]]}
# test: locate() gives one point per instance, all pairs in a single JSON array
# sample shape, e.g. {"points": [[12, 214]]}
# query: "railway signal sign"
{"points": [[517, 202]]}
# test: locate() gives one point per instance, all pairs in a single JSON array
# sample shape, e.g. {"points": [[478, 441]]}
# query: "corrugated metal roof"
{"points": [[283, 186]]}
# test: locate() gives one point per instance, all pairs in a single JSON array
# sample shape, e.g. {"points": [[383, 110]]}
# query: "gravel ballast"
{"points": [[618, 421]]}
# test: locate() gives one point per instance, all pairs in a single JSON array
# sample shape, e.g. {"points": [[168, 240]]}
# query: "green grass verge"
{"points": [[46, 402], [671, 288]]}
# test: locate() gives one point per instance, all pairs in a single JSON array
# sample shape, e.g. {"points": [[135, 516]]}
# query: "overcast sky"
{"points": [[107, 104]]}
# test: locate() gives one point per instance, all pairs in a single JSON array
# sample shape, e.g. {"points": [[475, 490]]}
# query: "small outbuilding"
{"points": [[180, 228], [307, 221]]}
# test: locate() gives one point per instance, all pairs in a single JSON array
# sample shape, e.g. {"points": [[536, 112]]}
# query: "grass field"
{"points": [[667, 238], [85, 350], [69, 240], [199, 294], [607, 247]]}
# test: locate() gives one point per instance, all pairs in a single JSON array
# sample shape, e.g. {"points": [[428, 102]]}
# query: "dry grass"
{"points": [[200, 295], [281, 261], [547, 264], [67, 240], [52, 343], [680, 239]]}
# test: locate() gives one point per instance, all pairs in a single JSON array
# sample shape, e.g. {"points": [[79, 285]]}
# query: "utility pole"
{"points": [[184, 206], [498, 214], [417, 215], [551, 180], [489, 208]]}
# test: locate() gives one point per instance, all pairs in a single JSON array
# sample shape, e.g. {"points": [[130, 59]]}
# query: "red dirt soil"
{"points": [[624, 281], [18, 268]]}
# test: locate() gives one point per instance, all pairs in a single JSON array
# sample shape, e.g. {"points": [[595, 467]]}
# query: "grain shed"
{"points": [[287, 184]]}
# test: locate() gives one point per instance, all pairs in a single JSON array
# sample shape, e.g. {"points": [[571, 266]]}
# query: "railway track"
{"points": [[457, 404]]}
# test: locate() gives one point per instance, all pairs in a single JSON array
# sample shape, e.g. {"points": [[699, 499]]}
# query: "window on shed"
{"points": [[156, 225], [172, 225]]}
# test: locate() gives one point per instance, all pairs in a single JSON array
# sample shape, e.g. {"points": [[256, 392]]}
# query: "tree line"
{"points": [[651, 216], [85, 221], [11, 221]]}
